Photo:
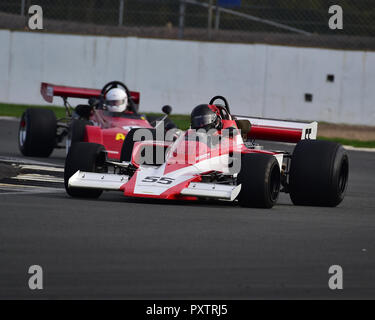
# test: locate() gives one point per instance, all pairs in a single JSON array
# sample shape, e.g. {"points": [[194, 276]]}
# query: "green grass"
{"points": [[354, 143], [182, 121], [16, 110]]}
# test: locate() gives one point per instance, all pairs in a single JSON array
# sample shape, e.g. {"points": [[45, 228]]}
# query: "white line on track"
{"points": [[359, 149], [9, 118], [14, 189], [24, 161], [41, 168], [38, 177], [351, 148]]}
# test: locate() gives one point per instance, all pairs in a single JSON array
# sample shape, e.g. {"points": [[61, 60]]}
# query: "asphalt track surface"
{"points": [[126, 249]]}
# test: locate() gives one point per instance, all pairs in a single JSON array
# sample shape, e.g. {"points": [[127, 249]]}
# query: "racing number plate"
{"points": [[160, 180]]}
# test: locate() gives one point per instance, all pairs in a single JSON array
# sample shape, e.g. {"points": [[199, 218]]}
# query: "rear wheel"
{"points": [[128, 145], [260, 180], [37, 132], [84, 156], [319, 173], [77, 131]]}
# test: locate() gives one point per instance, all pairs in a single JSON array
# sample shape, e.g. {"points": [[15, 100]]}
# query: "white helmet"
{"points": [[116, 100]]}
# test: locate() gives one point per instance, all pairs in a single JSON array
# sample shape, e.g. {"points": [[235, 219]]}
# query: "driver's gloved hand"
{"points": [[94, 102]]}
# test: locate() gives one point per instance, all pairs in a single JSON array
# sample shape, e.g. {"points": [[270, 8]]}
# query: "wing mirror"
{"points": [[167, 109]]}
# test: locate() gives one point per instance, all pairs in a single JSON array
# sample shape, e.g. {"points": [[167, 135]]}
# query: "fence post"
{"points": [[209, 28], [181, 21], [23, 7], [217, 18], [121, 13]]}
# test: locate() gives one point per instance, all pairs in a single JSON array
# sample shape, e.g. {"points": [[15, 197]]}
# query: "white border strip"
{"points": [[9, 118], [359, 149]]}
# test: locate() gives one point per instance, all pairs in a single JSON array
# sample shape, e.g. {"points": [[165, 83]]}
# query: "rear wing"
{"points": [[280, 130], [49, 91]]}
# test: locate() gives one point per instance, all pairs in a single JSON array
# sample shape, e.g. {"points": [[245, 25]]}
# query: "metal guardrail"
{"points": [[210, 6], [298, 22]]}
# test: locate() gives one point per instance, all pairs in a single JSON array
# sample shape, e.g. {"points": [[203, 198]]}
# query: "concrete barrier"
{"points": [[258, 80]]}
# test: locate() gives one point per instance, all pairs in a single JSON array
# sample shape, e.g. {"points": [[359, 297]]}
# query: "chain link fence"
{"points": [[291, 22]]}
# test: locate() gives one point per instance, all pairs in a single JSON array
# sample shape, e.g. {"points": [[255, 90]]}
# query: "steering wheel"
{"points": [[225, 107], [111, 85], [116, 84]]}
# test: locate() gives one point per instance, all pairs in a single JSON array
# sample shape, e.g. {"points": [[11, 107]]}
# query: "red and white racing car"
{"points": [[40, 132], [226, 165]]}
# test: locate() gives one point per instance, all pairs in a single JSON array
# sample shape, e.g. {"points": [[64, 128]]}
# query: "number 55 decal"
{"points": [[161, 180]]}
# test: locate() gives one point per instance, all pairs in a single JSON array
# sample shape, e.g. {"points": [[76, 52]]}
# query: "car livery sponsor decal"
{"points": [[120, 136]]}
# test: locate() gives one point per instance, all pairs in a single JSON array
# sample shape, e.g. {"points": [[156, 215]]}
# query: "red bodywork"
{"points": [[275, 134], [186, 162], [112, 131], [280, 130], [48, 91], [107, 130]]}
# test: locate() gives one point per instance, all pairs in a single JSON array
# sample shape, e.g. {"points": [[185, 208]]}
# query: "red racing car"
{"points": [[102, 121], [216, 159]]}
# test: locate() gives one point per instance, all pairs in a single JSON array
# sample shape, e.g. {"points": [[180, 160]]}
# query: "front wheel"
{"points": [[319, 173], [84, 156], [260, 180]]}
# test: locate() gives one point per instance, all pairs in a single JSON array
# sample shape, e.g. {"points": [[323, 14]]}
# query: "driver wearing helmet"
{"points": [[116, 100], [206, 117], [209, 118]]}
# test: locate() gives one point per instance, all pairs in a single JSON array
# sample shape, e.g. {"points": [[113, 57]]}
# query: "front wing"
{"points": [[106, 181]]}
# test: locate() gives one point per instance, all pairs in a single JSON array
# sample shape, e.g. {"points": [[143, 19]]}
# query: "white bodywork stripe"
{"points": [[212, 190], [309, 130], [104, 181], [279, 157], [219, 163]]}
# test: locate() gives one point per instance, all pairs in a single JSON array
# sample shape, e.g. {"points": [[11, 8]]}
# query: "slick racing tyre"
{"points": [[37, 132], [84, 156], [260, 180], [128, 145], [77, 131], [318, 174]]}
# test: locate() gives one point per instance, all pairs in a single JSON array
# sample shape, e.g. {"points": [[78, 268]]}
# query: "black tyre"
{"points": [[37, 132], [84, 156], [127, 147], [76, 133], [319, 173], [260, 180]]}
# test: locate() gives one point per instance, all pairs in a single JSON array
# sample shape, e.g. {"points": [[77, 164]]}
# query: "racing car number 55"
{"points": [[161, 180]]}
